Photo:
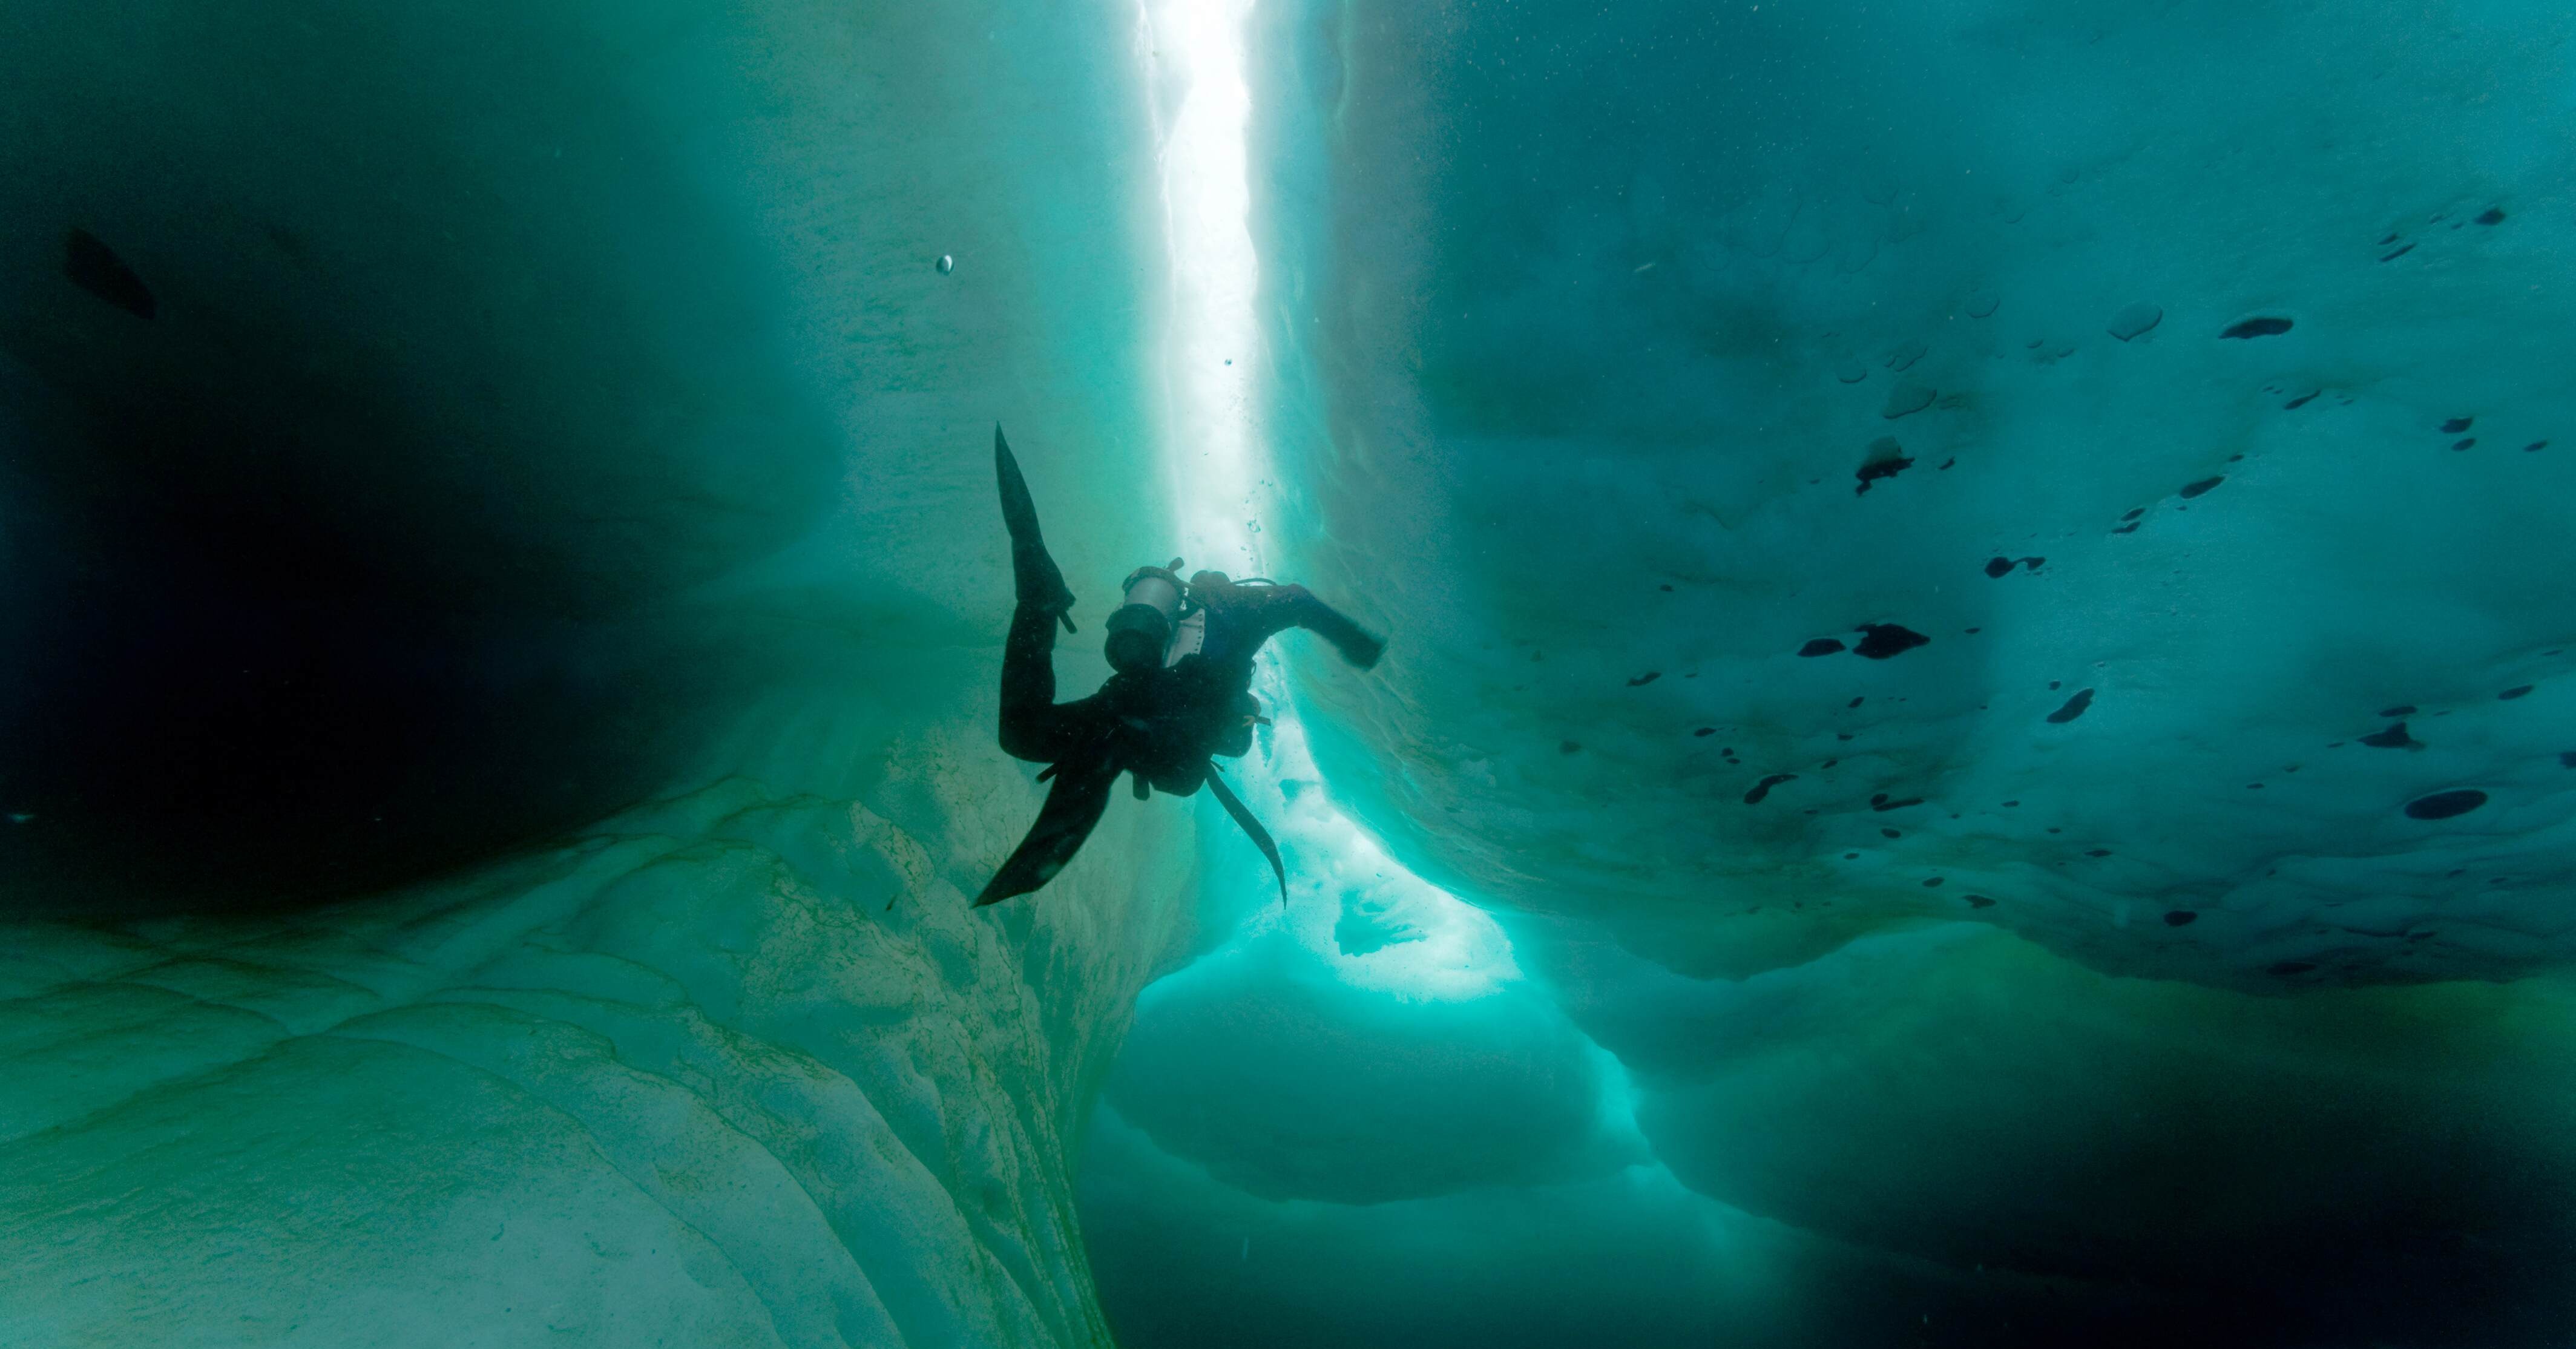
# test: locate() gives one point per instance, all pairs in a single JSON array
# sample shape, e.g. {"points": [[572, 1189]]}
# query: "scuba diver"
{"points": [[1181, 693]]}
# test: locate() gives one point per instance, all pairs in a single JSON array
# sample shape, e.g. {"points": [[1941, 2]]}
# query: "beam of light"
{"points": [[1214, 360], [1211, 340]]}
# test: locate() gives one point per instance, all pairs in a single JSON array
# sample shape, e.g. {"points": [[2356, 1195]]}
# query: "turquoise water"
{"points": [[1975, 747]]}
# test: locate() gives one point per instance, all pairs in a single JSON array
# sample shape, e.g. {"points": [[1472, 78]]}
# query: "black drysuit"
{"points": [[1160, 724]]}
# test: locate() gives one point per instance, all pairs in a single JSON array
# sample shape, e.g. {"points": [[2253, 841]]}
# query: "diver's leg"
{"points": [[1031, 726]]}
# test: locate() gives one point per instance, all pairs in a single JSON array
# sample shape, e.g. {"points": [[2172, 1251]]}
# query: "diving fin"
{"points": [[1034, 573], [1072, 810]]}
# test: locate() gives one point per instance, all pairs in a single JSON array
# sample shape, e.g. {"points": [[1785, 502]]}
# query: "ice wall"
{"points": [[2107, 967], [1621, 321], [523, 464]]}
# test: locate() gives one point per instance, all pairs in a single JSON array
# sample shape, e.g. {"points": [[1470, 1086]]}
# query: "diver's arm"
{"points": [[1358, 645], [1268, 609]]}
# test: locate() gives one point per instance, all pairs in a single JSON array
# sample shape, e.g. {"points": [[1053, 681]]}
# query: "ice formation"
{"points": [[2004, 895], [1972, 752], [525, 505]]}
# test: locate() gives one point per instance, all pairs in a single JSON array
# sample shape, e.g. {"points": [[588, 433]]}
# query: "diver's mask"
{"points": [[1141, 630]]}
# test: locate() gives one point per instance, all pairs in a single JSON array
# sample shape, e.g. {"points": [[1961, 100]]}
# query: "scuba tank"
{"points": [[1162, 620], [1141, 631]]}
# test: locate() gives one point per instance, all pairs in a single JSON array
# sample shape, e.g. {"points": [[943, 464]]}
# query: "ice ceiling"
{"points": [[1976, 747]]}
